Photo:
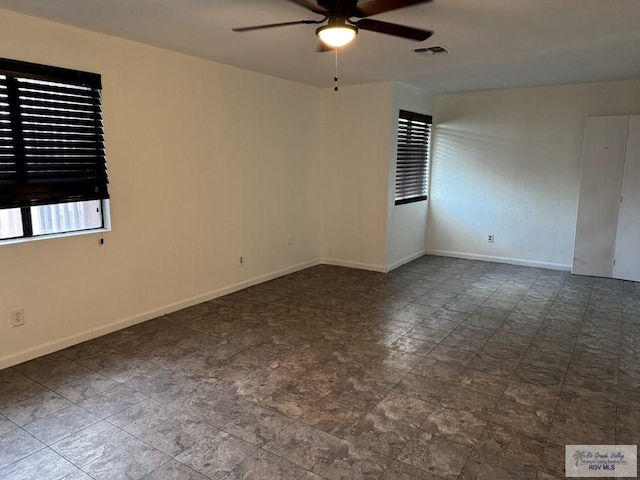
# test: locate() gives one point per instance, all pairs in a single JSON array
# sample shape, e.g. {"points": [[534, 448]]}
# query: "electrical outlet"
{"points": [[491, 238], [241, 261], [290, 241], [17, 317]]}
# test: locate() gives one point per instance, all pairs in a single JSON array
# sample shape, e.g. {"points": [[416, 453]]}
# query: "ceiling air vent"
{"points": [[432, 51]]}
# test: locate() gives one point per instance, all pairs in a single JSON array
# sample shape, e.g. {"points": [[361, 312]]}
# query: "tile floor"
{"points": [[442, 369]]}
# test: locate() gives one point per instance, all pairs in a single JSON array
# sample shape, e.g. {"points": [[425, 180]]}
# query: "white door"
{"points": [[627, 255], [603, 154]]}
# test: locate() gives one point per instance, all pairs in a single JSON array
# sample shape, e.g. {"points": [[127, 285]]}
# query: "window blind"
{"points": [[51, 136], [414, 133]]}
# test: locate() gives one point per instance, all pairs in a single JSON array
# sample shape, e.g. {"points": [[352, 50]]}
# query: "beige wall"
{"points": [[354, 175], [206, 163], [507, 162], [361, 226]]}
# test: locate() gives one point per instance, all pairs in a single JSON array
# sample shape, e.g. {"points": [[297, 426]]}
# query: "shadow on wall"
{"points": [[470, 176], [484, 184]]}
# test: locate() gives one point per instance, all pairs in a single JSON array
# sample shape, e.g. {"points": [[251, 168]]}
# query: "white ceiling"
{"points": [[494, 43]]}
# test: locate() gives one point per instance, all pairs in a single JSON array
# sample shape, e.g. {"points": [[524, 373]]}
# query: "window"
{"points": [[53, 176], [412, 164]]}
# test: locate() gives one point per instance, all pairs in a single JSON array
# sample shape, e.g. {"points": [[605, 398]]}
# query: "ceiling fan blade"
{"points": [[274, 25], [375, 7], [393, 29], [312, 6]]}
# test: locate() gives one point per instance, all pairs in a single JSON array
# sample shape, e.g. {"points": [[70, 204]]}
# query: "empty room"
{"points": [[306, 240]]}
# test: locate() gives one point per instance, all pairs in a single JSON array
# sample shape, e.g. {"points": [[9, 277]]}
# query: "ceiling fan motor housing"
{"points": [[340, 29]]}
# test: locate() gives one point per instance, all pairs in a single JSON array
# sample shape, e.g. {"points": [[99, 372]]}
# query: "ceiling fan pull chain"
{"points": [[335, 79]]}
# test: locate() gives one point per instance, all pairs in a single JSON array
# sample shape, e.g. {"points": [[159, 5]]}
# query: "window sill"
{"points": [[409, 201], [12, 241]]}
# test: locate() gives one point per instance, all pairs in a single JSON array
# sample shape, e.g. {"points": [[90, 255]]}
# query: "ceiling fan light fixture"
{"points": [[337, 35]]}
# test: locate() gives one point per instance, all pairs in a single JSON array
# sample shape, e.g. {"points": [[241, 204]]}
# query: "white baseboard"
{"points": [[507, 260], [45, 349], [406, 260], [59, 344], [360, 266], [205, 297]]}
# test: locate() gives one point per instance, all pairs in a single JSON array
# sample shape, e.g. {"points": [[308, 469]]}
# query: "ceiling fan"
{"points": [[340, 29]]}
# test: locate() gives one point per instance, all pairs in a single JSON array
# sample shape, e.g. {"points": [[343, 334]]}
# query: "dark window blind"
{"points": [[7, 155], [414, 133], [51, 136]]}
